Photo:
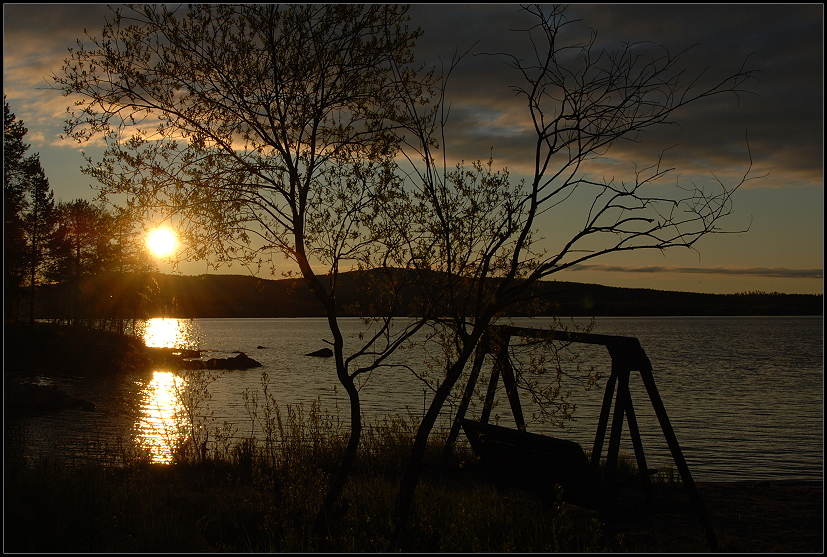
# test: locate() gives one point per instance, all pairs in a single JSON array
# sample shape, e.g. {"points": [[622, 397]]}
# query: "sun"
{"points": [[161, 242]]}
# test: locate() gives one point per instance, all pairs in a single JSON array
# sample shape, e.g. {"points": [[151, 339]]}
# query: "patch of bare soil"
{"points": [[782, 517]]}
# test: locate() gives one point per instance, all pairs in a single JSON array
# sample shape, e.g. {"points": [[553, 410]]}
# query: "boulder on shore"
{"points": [[323, 353]]}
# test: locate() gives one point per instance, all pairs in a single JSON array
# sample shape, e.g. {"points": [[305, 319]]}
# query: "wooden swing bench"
{"points": [[515, 459], [552, 467]]}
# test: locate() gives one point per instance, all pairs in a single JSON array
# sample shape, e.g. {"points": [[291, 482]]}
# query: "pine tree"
{"points": [[39, 226], [28, 216], [14, 205]]}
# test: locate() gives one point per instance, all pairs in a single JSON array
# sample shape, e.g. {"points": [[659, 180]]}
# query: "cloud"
{"points": [[776, 272], [781, 115], [783, 120]]}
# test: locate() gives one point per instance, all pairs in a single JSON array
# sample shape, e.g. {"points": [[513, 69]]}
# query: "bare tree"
{"points": [[261, 130], [479, 229], [266, 130]]}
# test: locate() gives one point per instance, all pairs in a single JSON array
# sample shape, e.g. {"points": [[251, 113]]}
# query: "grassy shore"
{"points": [[262, 495], [252, 498]]}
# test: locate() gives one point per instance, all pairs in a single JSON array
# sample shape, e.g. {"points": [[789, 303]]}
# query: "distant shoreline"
{"points": [[240, 296]]}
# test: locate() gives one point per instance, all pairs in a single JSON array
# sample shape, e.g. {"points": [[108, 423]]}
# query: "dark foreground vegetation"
{"points": [[263, 497], [250, 498], [58, 349]]}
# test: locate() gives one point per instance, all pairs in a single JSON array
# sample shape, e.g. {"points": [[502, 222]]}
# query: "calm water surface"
{"points": [[744, 394]]}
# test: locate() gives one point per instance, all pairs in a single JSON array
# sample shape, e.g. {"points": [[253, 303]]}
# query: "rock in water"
{"points": [[193, 364], [242, 361], [323, 353]]}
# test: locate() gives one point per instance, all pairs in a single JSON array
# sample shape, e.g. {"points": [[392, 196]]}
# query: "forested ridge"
{"points": [[247, 296]]}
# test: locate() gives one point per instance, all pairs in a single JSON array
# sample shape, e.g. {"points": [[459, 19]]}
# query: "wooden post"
{"points": [[510, 382], [609, 493], [677, 455], [603, 422], [489, 396], [634, 432]]}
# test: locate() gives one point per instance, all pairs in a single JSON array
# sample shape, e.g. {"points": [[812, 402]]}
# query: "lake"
{"points": [[745, 395]]}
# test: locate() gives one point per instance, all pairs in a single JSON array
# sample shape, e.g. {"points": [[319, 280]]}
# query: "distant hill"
{"points": [[577, 299], [245, 296]]}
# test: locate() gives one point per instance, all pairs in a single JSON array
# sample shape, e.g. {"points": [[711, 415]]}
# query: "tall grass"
{"points": [[262, 495], [258, 487]]}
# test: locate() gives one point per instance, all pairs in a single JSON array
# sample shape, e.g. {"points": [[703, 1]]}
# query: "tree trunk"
{"points": [[33, 268], [410, 478], [336, 487], [334, 490]]}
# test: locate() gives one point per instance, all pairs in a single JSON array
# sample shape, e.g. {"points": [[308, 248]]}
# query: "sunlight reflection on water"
{"points": [[169, 332], [161, 425], [159, 428]]}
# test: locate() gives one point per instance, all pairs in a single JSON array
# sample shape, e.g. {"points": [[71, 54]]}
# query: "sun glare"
{"points": [[161, 242]]}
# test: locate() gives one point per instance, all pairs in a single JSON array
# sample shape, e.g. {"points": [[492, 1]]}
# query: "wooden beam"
{"points": [[479, 358]]}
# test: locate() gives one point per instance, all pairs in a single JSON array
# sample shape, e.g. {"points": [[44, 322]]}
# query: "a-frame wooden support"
{"points": [[627, 356]]}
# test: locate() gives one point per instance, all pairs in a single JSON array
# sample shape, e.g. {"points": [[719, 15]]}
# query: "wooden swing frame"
{"points": [[627, 356]]}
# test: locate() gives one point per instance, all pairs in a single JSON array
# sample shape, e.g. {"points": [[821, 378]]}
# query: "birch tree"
{"points": [[263, 131], [478, 228]]}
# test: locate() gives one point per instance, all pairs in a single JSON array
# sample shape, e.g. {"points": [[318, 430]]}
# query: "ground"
{"points": [[747, 517]]}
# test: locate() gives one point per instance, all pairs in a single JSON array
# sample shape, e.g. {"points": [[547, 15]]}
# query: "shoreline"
{"points": [[766, 483]]}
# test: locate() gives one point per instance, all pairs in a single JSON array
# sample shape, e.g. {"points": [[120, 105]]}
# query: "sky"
{"points": [[776, 229]]}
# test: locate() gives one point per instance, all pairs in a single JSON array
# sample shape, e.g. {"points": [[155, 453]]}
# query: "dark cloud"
{"points": [[785, 42], [783, 118], [51, 28]]}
